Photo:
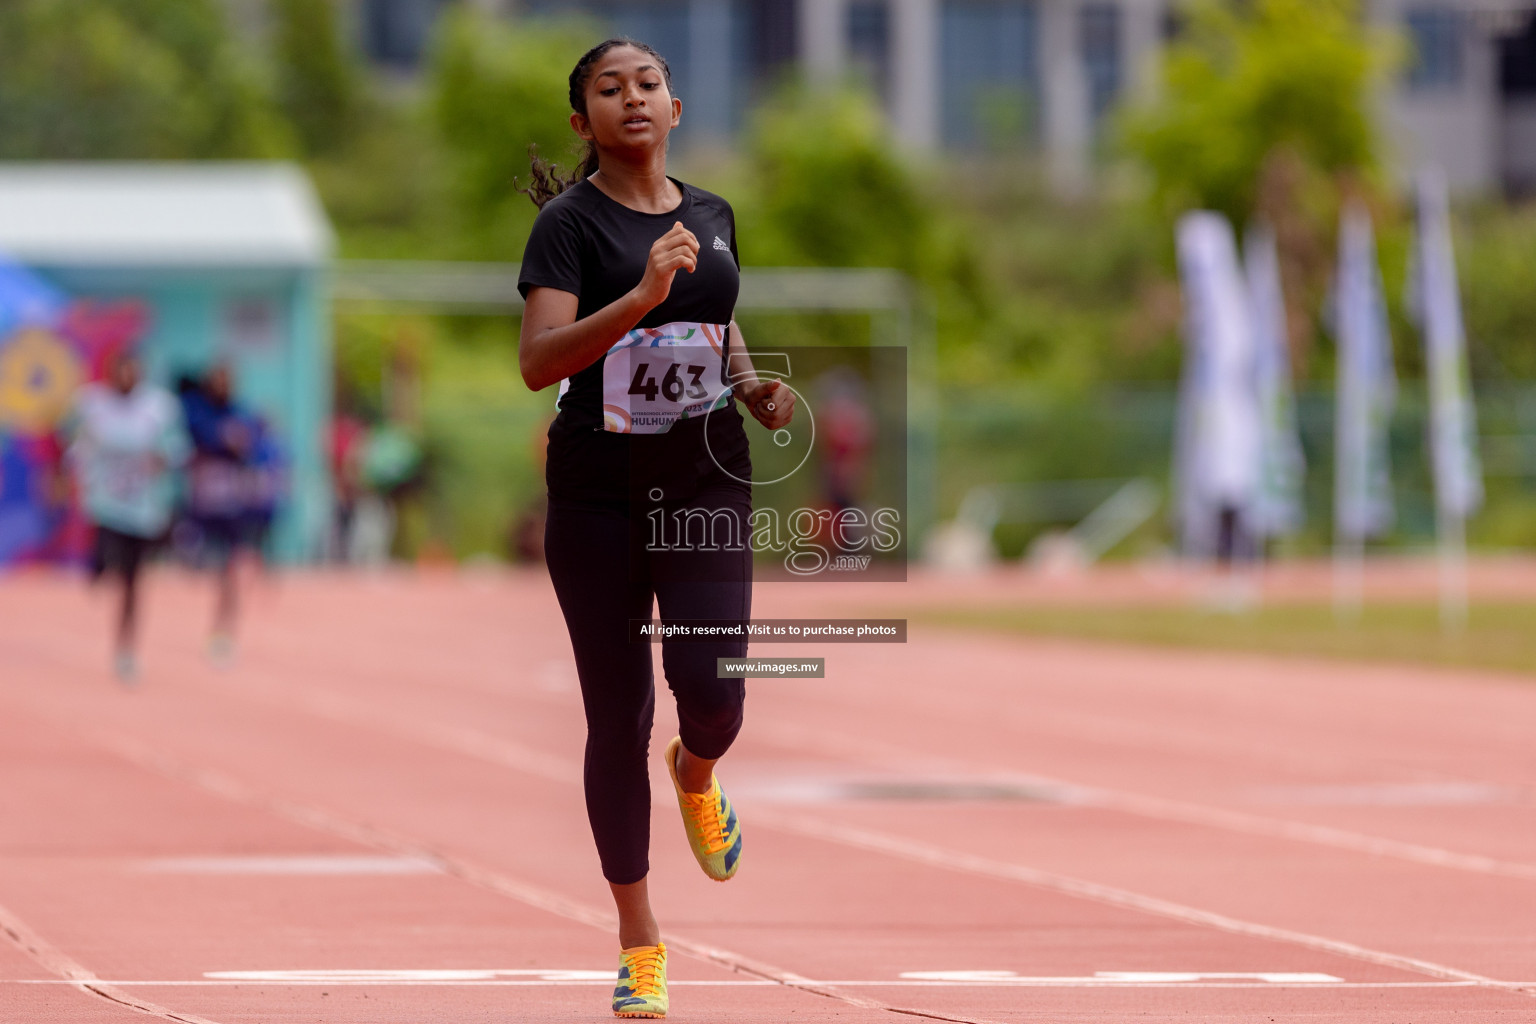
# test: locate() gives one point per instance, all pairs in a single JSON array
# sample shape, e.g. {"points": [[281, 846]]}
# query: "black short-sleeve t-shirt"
{"points": [[588, 244]]}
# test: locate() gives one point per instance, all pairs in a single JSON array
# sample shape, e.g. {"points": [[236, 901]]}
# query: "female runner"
{"points": [[126, 441], [648, 469]]}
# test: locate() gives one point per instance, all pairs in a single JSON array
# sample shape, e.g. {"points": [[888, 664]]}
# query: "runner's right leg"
{"points": [[587, 549], [121, 555]]}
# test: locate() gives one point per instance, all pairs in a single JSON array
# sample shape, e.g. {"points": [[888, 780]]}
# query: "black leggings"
{"points": [[122, 554], [605, 568]]}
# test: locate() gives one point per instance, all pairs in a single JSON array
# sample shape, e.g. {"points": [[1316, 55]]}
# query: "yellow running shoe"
{"points": [[710, 821], [642, 988]]}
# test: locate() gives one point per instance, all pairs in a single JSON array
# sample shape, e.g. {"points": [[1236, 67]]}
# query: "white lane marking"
{"points": [[1393, 794], [966, 863], [323, 864], [153, 759], [985, 978], [523, 758], [900, 758], [556, 768], [766, 983], [75, 975], [557, 677], [1128, 977], [467, 742], [829, 787], [358, 977]]}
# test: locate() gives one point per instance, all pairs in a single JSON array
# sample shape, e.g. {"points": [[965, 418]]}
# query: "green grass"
{"points": [[1497, 635]]}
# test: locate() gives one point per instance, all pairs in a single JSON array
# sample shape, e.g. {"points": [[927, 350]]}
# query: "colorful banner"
{"points": [[1434, 300], [49, 346], [38, 374], [1282, 470], [1366, 388]]}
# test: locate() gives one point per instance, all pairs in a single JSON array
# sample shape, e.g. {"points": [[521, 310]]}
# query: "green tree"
{"points": [[317, 81], [1247, 82], [1266, 110], [95, 79], [497, 88], [830, 190]]}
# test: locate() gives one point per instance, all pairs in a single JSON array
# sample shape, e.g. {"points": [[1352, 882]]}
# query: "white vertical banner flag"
{"points": [[1366, 388], [1435, 302], [1282, 467], [1219, 431]]}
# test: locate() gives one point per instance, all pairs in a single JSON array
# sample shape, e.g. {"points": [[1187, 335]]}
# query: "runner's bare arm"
{"points": [[554, 344]]}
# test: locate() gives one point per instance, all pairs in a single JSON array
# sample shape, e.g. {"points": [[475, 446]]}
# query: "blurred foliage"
{"points": [[1496, 251], [1062, 295], [1265, 112], [316, 77], [1243, 82], [385, 191], [138, 79], [480, 427], [828, 190], [497, 88]]}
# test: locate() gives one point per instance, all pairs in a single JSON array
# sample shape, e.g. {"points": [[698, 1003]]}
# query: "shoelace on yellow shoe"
{"points": [[644, 967], [706, 811]]}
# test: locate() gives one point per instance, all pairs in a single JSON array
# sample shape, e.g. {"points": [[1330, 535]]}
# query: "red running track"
{"points": [[374, 816]]}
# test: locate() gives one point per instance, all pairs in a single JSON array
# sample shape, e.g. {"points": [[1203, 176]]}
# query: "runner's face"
{"points": [[124, 373], [628, 105]]}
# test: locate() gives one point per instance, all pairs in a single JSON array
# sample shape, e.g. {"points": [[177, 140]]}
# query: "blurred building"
{"points": [[1034, 74], [1467, 100], [194, 264]]}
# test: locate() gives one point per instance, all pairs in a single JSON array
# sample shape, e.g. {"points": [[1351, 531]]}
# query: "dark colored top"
{"points": [[596, 248], [221, 434]]}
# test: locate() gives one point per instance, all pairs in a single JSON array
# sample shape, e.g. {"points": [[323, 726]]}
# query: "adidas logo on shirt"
{"points": [[720, 244]]}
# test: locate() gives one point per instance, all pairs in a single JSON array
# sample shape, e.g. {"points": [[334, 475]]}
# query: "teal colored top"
{"points": [[125, 450]]}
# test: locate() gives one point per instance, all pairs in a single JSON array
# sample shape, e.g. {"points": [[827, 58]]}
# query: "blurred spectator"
{"points": [[126, 441], [847, 435], [394, 471], [348, 435]]}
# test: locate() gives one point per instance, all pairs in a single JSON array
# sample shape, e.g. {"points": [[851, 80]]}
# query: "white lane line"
{"points": [[765, 983], [152, 759], [302, 864], [516, 756], [967, 863], [1126, 977], [557, 768], [352, 712], [1395, 794], [368, 975], [900, 758], [70, 972]]}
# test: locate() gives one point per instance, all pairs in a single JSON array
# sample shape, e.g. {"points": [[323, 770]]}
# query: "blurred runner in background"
{"points": [[126, 440], [266, 485], [224, 439]]}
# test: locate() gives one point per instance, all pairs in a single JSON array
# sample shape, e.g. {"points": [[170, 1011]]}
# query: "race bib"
{"points": [[656, 376], [126, 476], [217, 487]]}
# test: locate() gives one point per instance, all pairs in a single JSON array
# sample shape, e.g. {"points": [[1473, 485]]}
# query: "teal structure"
{"points": [[220, 263]]}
